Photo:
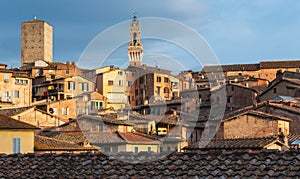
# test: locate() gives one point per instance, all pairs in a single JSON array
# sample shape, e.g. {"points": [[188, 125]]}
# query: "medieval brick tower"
{"points": [[36, 42], [135, 47]]}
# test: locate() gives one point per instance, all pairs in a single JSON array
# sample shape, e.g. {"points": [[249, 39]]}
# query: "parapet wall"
{"points": [[267, 164]]}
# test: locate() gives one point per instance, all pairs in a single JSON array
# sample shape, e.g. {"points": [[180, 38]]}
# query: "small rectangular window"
{"points": [[16, 145], [158, 79], [85, 87], [275, 90], [110, 83], [149, 149], [71, 85], [67, 72], [166, 80], [120, 82], [136, 149], [17, 94], [6, 78]]}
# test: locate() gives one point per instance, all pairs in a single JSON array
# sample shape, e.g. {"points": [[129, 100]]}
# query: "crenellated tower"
{"points": [[135, 47]]}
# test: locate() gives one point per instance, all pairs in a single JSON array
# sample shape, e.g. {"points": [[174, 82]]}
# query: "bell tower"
{"points": [[135, 47]]}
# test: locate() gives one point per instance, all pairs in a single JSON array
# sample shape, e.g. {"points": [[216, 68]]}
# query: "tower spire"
{"points": [[135, 46]]}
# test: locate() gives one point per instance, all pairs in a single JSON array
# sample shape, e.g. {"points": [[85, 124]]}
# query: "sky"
{"points": [[237, 31]]}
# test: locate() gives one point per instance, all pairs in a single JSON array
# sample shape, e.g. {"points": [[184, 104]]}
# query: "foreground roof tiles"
{"points": [[262, 164]]}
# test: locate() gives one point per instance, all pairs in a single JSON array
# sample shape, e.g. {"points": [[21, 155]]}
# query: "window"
{"points": [[120, 82], [85, 87], [158, 79], [136, 149], [158, 90], [166, 90], [71, 85], [136, 92], [55, 111], [65, 111], [275, 90], [149, 149], [52, 77], [166, 80], [17, 81], [228, 100], [16, 94], [6, 78], [129, 83], [67, 72], [16, 145], [232, 88], [120, 73], [110, 82]]}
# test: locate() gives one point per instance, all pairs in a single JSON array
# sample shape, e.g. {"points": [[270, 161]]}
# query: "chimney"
{"points": [[279, 75], [73, 63], [283, 138], [68, 63]]}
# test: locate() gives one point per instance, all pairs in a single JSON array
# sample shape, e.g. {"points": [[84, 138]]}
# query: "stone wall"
{"points": [[213, 164]]}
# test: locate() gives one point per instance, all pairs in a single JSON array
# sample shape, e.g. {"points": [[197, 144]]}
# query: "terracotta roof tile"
{"points": [[14, 111], [10, 123], [200, 164], [246, 143], [280, 64], [135, 138], [225, 68], [46, 143], [92, 137]]}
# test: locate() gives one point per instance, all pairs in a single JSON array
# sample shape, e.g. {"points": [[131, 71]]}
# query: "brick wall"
{"points": [[249, 126]]}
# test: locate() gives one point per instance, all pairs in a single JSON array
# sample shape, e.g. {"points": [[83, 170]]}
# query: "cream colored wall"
{"points": [[116, 93], [285, 127], [142, 147], [274, 146], [26, 140], [78, 86]]}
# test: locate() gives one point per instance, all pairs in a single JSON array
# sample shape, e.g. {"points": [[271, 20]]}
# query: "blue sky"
{"points": [[239, 31]]}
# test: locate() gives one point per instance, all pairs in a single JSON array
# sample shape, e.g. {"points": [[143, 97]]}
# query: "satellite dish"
{"points": [[34, 17], [51, 110]]}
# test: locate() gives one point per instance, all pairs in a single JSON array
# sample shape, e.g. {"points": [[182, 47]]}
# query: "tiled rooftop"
{"points": [[213, 164], [135, 138], [280, 64], [225, 68], [10, 123], [92, 137], [47, 143], [14, 111], [231, 144]]}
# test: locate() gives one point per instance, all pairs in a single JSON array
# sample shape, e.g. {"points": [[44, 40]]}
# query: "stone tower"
{"points": [[36, 42], [135, 47]]}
